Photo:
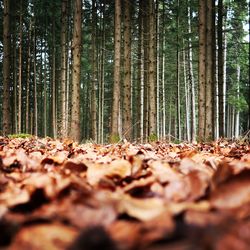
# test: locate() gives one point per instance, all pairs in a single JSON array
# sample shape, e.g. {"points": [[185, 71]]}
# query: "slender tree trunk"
{"points": [[15, 83], [157, 44], [145, 12], [53, 96], [163, 100], [191, 79], [202, 68], [20, 70], [221, 93], [178, 79], [27, 118], [163, 76], [170, 117], [6, 69], [209, 128], [102, 75], [35, 87], [94, 73], [45, 89], [140, 72], [76, 71], [116, 87], [237, 112], [187, 103], [62, 114], [151, 70], [127, 118]]}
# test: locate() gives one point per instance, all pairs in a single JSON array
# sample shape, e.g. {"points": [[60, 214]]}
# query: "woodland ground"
{"points": [[60, 195]]}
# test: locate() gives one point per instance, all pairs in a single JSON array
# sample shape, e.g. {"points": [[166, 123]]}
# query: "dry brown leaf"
{"points": [[233, 193], [117, 168], [141, 209], [44, 237]]}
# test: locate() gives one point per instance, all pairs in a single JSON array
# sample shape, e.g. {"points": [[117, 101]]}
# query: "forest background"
{"points": [[138, 70]]}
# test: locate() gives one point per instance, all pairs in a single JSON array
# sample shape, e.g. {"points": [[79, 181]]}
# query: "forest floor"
{"points": [[60, 195]]}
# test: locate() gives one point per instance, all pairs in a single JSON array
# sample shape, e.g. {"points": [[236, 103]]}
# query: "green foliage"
{"points": [[240, 103], [22, 135], [152, 138], [115, 138]]}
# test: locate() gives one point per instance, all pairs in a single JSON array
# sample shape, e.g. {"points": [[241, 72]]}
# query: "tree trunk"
{"points": [[45, 91], [20, 69], [187, 103], [53, 96], [191, 79], [27, 118], [114, 137], [127, 119], [14, 129], [62, 132], [221, 83], [94, 73], [145, 12], [102, 77], [35, 87], [76, 71], [237, 112], [151, 70], [157, 44], [140, 71], [178, 79], [6, 69], [209, 128], [202, 69]]}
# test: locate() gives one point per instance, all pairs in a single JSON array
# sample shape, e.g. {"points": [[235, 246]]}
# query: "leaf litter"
{"points": [[60, 195]]}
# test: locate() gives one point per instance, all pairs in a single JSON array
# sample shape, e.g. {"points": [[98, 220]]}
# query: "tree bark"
{"points": [[202, 69], [127, 119], [140, 71], [20, 69], [178, 79], [191, 79], [151, 70], [53, 96], [114, 137], [6, 69], [221, 83], [145, 12], [187, 103], [94, 73], [35, 87], [237, 112], [62, 132], [27, 117], [209, 127], [76, 72]]}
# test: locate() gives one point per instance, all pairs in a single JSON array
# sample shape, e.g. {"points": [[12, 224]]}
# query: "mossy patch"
{"points": [[22, 135]]}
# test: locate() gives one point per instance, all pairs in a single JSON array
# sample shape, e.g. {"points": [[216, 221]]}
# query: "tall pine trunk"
{"points": [[27, 116], [53, 96], [114, 137], [6, 68], [151, 71], [76, 72], [221, 83], [191, 79], [127, 119], [20, 62], [35, 117], [94, 73], [62, 132], [202, 69], [209, 127]]}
